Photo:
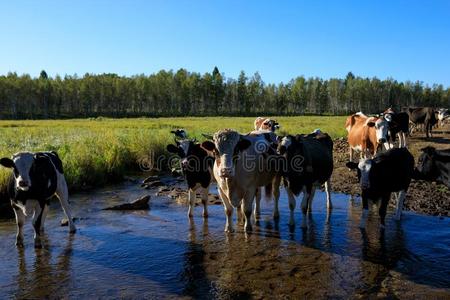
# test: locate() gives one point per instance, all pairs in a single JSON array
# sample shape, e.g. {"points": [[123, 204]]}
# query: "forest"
{"points": [[184, 93]]}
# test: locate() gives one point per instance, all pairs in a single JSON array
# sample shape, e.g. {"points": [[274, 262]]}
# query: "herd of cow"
{"points": [[243, 165]]}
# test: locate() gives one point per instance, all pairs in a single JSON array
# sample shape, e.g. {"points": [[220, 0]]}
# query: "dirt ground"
{"points": [[423, 197]]}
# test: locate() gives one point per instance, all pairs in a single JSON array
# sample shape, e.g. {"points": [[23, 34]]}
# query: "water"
{"points": [[160, 253]]}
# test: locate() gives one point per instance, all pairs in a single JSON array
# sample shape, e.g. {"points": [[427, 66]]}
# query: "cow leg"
{"points": [[292, 204], [228, 211], [351, 152], [310, 199], [248, 205], [205, 193], [276, 196], [328, 192], [305, 200], [365, 213], [44, 215], [240, 214], [20, 220], [258, 193], [400, 198], [191, 201], [37, 220], [63, 196], [383, 208]]}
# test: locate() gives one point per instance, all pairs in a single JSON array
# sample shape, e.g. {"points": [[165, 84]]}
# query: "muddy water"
{"points": [[159, 253]]}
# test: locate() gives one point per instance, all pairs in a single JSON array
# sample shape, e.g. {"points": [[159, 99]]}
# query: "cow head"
{"points": [[226, 145], [363, 168], [22, 164], [270, 124], [183, 149], [426, 168], [284, 143], [381, 128]]}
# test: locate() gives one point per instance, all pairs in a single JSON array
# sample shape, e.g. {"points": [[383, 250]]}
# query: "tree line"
{"points": [[183, 93]]}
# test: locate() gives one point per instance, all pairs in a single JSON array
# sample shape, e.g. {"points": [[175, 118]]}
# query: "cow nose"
{"points": [[225, 172], [382, 140], [23, 183]]}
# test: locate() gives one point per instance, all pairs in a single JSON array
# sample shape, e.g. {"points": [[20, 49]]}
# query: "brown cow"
{"points": [[268, 124], [365, 134]]}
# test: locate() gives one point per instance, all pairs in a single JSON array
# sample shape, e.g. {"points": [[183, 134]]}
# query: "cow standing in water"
{"points": [[308, 163], [196, 165], [36, 177], [366, 134], [388, 172], [242, 164]]}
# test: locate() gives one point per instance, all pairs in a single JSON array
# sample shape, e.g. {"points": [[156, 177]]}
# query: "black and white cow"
{"points": [[442, 114], [398, 126], [196, 165], [309, 163], [36, 177], [434, 165], [387, 172]]}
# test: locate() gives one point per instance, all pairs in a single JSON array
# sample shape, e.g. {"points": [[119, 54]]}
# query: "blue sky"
{"points": [[406, 40]]}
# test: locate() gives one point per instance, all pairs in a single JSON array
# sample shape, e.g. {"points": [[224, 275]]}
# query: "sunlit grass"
{"points": [[97, 151]]}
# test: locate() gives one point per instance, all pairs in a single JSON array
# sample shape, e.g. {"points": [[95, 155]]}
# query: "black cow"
{"points": [[196, 165], [423, 115], [398, 125], [434, 165], [36, 177], [387, 172], [309, 162]]}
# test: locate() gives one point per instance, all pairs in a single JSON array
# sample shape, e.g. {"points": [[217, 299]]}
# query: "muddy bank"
{"points": [[422, 197]]}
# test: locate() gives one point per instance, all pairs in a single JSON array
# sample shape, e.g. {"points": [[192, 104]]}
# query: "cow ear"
{"points": [[371, 124], [7, 162], [351, 165], [172, 148], [208, 146], [243, 144]]}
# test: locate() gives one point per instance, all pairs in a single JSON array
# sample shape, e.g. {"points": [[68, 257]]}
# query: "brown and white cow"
{"points": [[365, 134], [266, 124], [242, 164]]}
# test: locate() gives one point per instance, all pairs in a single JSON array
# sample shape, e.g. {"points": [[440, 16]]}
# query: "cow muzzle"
{"points": [[23, 185], [226, 172], [382, 140]]}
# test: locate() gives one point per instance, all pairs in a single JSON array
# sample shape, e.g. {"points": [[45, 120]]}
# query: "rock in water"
{"points": [[141, 203]]}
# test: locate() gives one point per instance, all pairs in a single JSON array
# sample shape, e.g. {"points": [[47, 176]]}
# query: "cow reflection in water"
{"points": [[44, 278]]}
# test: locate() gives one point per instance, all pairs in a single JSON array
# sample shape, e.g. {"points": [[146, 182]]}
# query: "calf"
{"points": [[387, 172], [434, 165], [36, 177], [365, 134], [309, 162], [268, 124], [196, 166], [398, 126], [242, 164], [423, 115]]}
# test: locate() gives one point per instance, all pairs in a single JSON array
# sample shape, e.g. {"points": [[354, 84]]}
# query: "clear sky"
{"points": [[406, 40]]}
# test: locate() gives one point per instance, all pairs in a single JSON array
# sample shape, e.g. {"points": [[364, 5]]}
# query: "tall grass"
{"points": [[97, 151]]}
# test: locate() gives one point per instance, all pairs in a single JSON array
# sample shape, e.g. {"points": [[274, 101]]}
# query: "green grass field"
{"points": [[97, 151]]}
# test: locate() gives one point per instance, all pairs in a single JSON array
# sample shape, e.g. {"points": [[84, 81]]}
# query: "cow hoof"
{"points": [[19, 244], [248, 229], [229, 229], [205, 215], [73, 229], [37, 244], [291, 222], [276, 216]]}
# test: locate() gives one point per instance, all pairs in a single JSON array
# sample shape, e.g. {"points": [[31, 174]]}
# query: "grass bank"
{"points": [[101, 150]]}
